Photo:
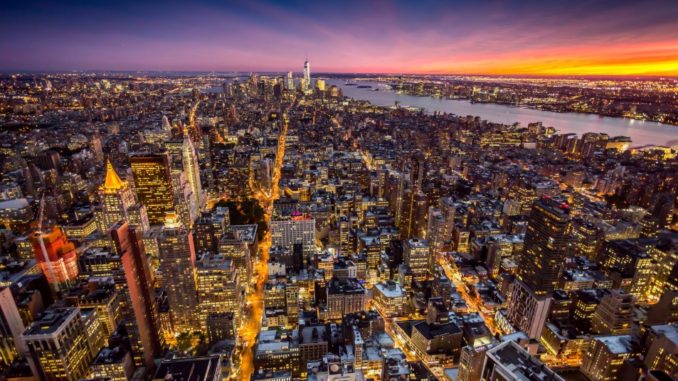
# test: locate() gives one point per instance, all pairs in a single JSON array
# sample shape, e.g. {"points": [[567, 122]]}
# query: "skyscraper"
{"points": [[153, 183], [417, 255], [528, 311], [116, 198], [546, 242], [56, 256], [297, 228], [177, 272], [218, 288], [130, 248], [307, 72], [57, 347], [189, 160], [289, 81], [11, 327]]}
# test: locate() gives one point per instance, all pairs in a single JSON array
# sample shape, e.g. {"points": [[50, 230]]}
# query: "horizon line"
{"points": [[187, 71]]}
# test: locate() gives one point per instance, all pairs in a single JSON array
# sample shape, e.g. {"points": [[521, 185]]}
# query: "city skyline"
{"points": [[508, 38]]}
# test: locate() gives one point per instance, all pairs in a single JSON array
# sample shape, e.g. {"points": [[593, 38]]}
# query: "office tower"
{"points": [[289, 82], [235, 249], [665, 310], [189, 159], [117, 197], [417, 256], [471, 362], [297, 228], [177, 272], [95, 333], [307, 73], [153, 183], [320, 85], [509, 362], [56, 256], [209, 228], [605, 356], [218, 288], [130, 248], [614, 314], [661, 342], [435, 227], [221, 326], [137, 217], [185, 206], [546, 243], [206, 368], [56, 345], [109, 303], [527, 310], [11, 328]]}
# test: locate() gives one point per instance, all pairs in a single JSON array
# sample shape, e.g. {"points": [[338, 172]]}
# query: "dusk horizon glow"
{"points": [[494, 38]]}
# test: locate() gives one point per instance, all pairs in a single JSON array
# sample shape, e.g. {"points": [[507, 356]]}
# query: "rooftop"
{"points": [[189, 369], [51, 320], [520, 364]]}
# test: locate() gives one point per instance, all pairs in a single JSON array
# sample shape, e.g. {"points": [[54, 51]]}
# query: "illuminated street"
{"points": [[251, 325], [472, 303], [339, 191]]}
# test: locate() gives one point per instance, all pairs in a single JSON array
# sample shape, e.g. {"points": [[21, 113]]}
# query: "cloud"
{"points": [[523, 37]]}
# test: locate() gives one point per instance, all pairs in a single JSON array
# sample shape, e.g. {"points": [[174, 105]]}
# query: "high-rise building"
{"points": [[185, 206], [218, 288], [605, 357], [471, 362], [527, 310], [297, 228], [189, 158], [11, 327], [177, 273], [56, 345], [56, 256], [546, 243], [417, 256], [117, 197], [344, 296], [614, 314], [289, 84], [662, 348], [130, 248], [153, 183], [307, 73], [509, 362]]}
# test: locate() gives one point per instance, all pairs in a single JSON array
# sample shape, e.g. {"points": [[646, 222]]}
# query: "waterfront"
{"points": [[641, 132]]}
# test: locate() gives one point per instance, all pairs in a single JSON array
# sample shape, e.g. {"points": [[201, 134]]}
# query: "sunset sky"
{"points": [[464, 37]]}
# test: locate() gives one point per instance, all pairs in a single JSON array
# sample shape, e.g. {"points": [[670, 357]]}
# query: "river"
{"points": [[641, 132]]}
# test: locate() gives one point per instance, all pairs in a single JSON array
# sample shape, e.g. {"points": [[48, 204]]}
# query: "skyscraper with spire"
{"points": [[116, 197], [307, 72]]}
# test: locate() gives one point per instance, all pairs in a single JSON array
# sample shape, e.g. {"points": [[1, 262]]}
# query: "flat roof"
{"points": [[189, 369]]}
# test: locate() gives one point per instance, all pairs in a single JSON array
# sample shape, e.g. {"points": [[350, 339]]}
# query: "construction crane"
{"points": [[43, 248]]}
